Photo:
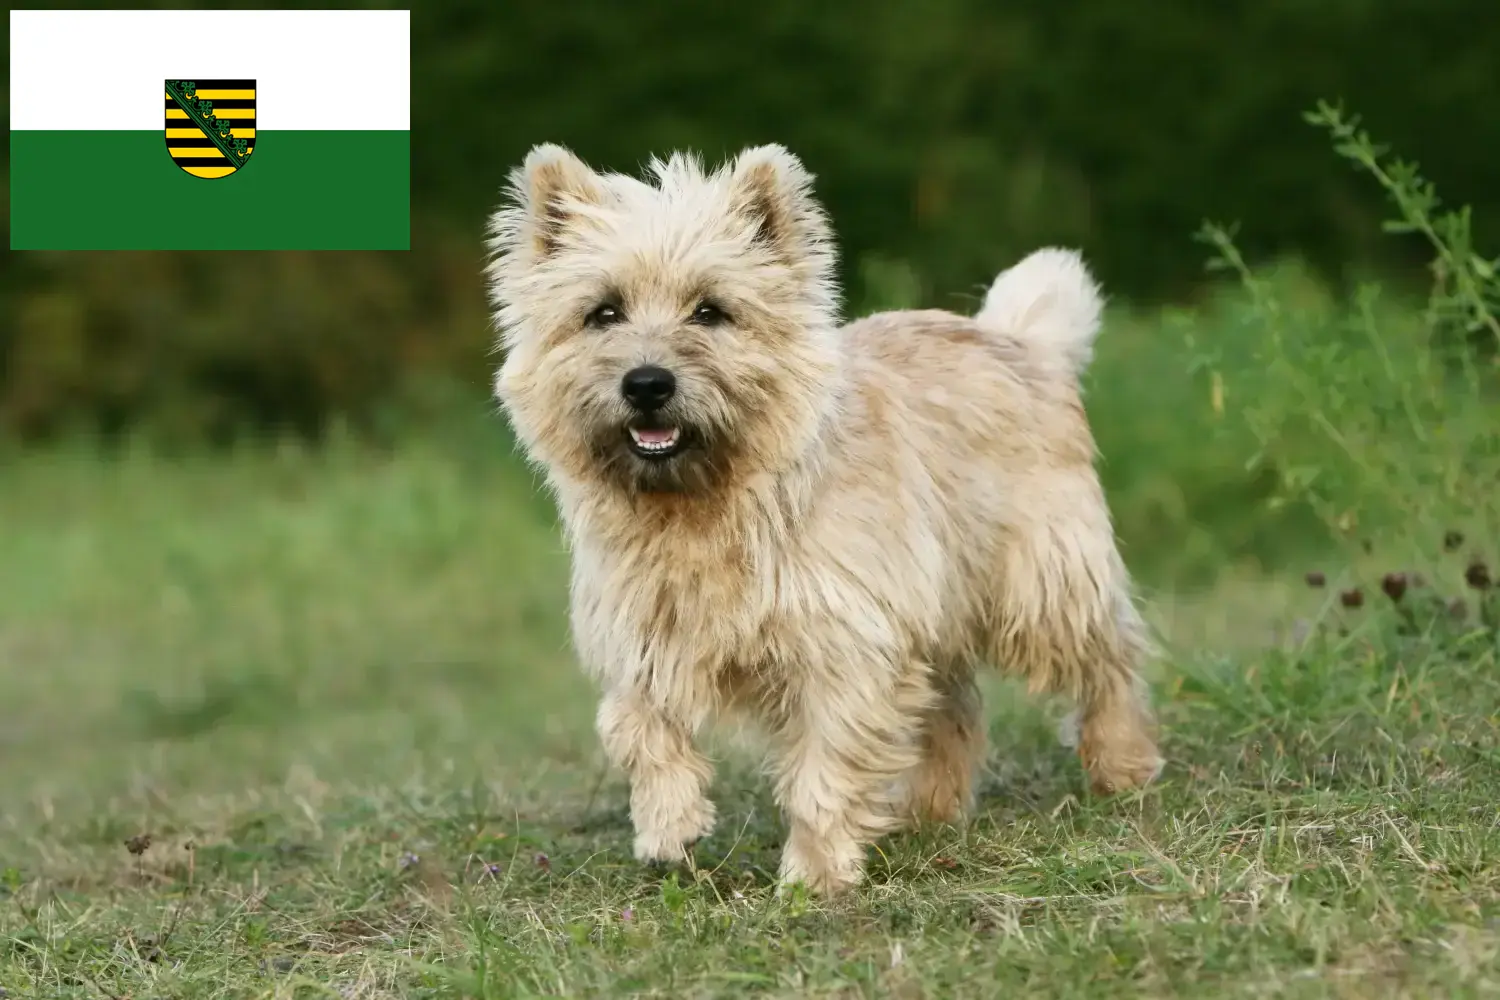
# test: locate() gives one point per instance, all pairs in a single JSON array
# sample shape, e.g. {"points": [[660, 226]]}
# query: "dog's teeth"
{"points": [[655, 440]]}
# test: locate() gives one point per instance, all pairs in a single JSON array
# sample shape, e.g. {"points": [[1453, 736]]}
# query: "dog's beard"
{"points": [[697, 460]]}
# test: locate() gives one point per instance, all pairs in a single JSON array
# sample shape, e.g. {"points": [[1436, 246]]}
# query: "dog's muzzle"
{"points": [[648, 389]]}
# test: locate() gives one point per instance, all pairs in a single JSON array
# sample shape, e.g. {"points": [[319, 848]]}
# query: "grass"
{"points": [[333, 689], [292, 723]]}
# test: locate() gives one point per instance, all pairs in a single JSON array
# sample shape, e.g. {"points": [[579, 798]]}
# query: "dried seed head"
{"points": [[1478, 575], [1316, 579], [138, 844], [1452, 540], [1394, 585], [1352, 598]]}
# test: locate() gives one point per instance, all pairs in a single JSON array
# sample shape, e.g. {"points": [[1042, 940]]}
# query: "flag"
{"points": [[210, 130]]}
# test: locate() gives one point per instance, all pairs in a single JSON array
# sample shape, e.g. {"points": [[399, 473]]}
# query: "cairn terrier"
{"points": [[826, 528]]}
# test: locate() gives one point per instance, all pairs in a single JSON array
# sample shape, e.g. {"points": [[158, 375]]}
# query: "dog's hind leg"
{"points": [[1067, 624]]}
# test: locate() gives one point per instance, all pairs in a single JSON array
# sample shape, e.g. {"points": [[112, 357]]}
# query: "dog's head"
{"points": [[675, 334]]}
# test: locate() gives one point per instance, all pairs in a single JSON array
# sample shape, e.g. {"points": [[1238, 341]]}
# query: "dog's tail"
{"points": [[1050, 303]]}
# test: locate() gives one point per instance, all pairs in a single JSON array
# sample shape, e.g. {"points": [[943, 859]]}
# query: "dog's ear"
{"points": [[773, 191], [549, 189]]}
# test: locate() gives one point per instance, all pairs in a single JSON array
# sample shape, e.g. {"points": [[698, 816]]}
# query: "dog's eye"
{"points": [[605, 315], [708, 314]]}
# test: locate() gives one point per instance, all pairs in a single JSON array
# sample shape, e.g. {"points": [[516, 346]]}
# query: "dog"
{"points": [[826, 528]]}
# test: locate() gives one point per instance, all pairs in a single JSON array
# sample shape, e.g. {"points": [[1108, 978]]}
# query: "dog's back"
{"points": [[971, 431]]}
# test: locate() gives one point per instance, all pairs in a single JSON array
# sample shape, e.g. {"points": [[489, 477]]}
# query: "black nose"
{"points": [[648, 387]]}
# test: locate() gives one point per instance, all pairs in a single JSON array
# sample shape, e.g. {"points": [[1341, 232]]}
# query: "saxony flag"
{"points": [[210, 130]]}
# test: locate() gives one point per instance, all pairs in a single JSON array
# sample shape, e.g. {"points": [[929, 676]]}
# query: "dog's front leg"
{"points": [[849, 737], [668, 776]]}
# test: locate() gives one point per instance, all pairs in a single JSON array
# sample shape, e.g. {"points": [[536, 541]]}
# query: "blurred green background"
{"points": [[949, 137]]}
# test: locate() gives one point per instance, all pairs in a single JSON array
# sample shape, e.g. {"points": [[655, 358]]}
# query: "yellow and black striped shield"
{"points": [[210, 125]]}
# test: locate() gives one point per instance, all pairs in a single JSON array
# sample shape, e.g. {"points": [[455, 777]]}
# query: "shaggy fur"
{"points": [[858, 518]]}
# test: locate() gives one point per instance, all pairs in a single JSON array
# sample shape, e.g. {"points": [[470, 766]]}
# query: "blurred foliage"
{"points": [[949, 137], [1383, 420], [199, 347]]}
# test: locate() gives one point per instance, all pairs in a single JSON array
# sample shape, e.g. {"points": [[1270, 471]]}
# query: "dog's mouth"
{"points": [[661, 452], [654, 443]]}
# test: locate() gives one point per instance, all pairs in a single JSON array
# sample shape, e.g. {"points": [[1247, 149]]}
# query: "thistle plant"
{"points": [[1379, 419]]}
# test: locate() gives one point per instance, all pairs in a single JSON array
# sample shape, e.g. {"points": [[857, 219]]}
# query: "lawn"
{"points": [[299, 723]]}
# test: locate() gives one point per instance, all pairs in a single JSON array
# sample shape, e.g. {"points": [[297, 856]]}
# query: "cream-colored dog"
{"points": [[826, 527]]}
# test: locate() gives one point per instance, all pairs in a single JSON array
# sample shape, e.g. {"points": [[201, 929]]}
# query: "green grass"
{"points": [[334, 689]]}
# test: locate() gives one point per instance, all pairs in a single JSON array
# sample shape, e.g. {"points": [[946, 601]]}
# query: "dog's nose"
{"points": [[648, 387]]}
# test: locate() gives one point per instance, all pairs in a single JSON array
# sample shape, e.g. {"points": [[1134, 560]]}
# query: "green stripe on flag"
{"points": [[121, 191]]}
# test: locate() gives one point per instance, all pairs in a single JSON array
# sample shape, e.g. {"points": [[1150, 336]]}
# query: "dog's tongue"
{"points": [[656, 436]]}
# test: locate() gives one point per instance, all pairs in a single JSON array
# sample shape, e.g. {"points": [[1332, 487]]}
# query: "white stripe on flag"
{"points": [[323, 70]]}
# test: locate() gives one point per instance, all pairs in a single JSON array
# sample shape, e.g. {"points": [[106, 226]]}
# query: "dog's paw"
{"points": [[821, 871], [669, 841], [1131, 766], [1115, 776]]}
